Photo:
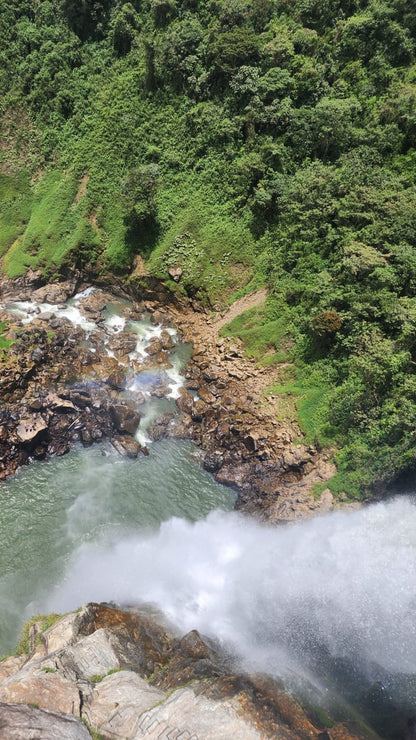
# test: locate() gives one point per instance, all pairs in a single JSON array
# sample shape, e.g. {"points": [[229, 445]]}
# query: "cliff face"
{"points": [[126, 674]]}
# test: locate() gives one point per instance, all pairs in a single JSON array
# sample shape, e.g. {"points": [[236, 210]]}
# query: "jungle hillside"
{"points": [[244, 144]]}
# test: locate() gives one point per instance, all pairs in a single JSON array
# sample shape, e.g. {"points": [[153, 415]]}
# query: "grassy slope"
{"points": [[250, 143]]}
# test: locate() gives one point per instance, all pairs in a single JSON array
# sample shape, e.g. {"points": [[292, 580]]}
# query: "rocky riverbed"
{"points": [[64, 382]]}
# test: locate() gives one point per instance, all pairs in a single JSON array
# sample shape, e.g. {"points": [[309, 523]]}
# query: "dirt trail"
{"points": [[251, 300]]}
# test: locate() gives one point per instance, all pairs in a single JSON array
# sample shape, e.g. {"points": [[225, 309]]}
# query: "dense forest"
{"points": [[251, 143]]}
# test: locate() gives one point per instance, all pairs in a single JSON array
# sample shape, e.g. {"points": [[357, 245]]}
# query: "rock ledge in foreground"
{"points": [[129, 675]]}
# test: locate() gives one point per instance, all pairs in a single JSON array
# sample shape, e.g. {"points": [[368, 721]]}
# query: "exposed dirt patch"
{"points": [[252, 300], [82, 188], [252, 441]]}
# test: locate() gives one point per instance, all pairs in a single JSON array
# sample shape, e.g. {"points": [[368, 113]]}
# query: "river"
{"points": [[327, 603]]}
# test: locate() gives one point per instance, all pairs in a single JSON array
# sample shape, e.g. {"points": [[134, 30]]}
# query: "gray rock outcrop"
{"points": [[129, 676]]}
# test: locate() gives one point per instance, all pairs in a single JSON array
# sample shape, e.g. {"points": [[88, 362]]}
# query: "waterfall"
{"points": [[343, 584]]}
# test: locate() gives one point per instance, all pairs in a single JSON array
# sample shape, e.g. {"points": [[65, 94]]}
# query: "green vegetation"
{"points": [[250, 143], [5, 343], [98, 677], [94, 734], [43, 622]]}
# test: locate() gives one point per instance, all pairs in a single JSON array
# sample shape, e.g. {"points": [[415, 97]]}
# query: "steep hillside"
{"points": [[250, 143]]}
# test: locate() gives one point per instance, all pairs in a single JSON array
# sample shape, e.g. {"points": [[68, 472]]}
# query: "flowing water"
{"points": [[49, 511], [329, 603]]}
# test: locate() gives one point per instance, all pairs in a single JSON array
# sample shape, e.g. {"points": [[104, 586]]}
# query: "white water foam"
{"points": [[28, 310], [344, 583], [116, 323]]}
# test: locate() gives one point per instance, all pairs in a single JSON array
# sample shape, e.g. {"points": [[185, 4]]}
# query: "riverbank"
{"points": [[57, 391]]}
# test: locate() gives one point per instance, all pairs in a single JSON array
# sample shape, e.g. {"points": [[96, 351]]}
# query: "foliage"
{"points": [[262, 143], [43, 621]]}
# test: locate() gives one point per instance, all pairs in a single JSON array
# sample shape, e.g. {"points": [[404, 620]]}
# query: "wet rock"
{"points": [[37, 355], [58, 447], [235, 475], [194, 658], [20, 722], [158, 430], [116, 379], [126, 446], [80, 398], [160, 391], [155, 347], [211, 374], [86, 437], [125, 418], [213, 461], [198, 410]]}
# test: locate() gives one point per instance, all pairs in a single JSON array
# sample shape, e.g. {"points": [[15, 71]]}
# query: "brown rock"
{"points": [[61, 405], [126, 446], [198, 410], [185, 402], [175, 273], [205, 395], [48, 690], [30, 430], [125, 418]]}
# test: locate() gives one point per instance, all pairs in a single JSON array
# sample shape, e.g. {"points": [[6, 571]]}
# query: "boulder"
{"points": [[53, 293], [125, 418], [80, 398], [185, 402], [30, 430], [206, 395], [22, 722], [116, 703], [62, 405], [11, 665], [92, 655], [175, 273], [44, 687], [116, 379], [61, 634], [186, 715], [126, 446], [198, 410], [195, 658]]}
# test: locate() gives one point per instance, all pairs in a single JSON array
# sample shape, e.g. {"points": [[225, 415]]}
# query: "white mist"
{"points": [[344, 583]]}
